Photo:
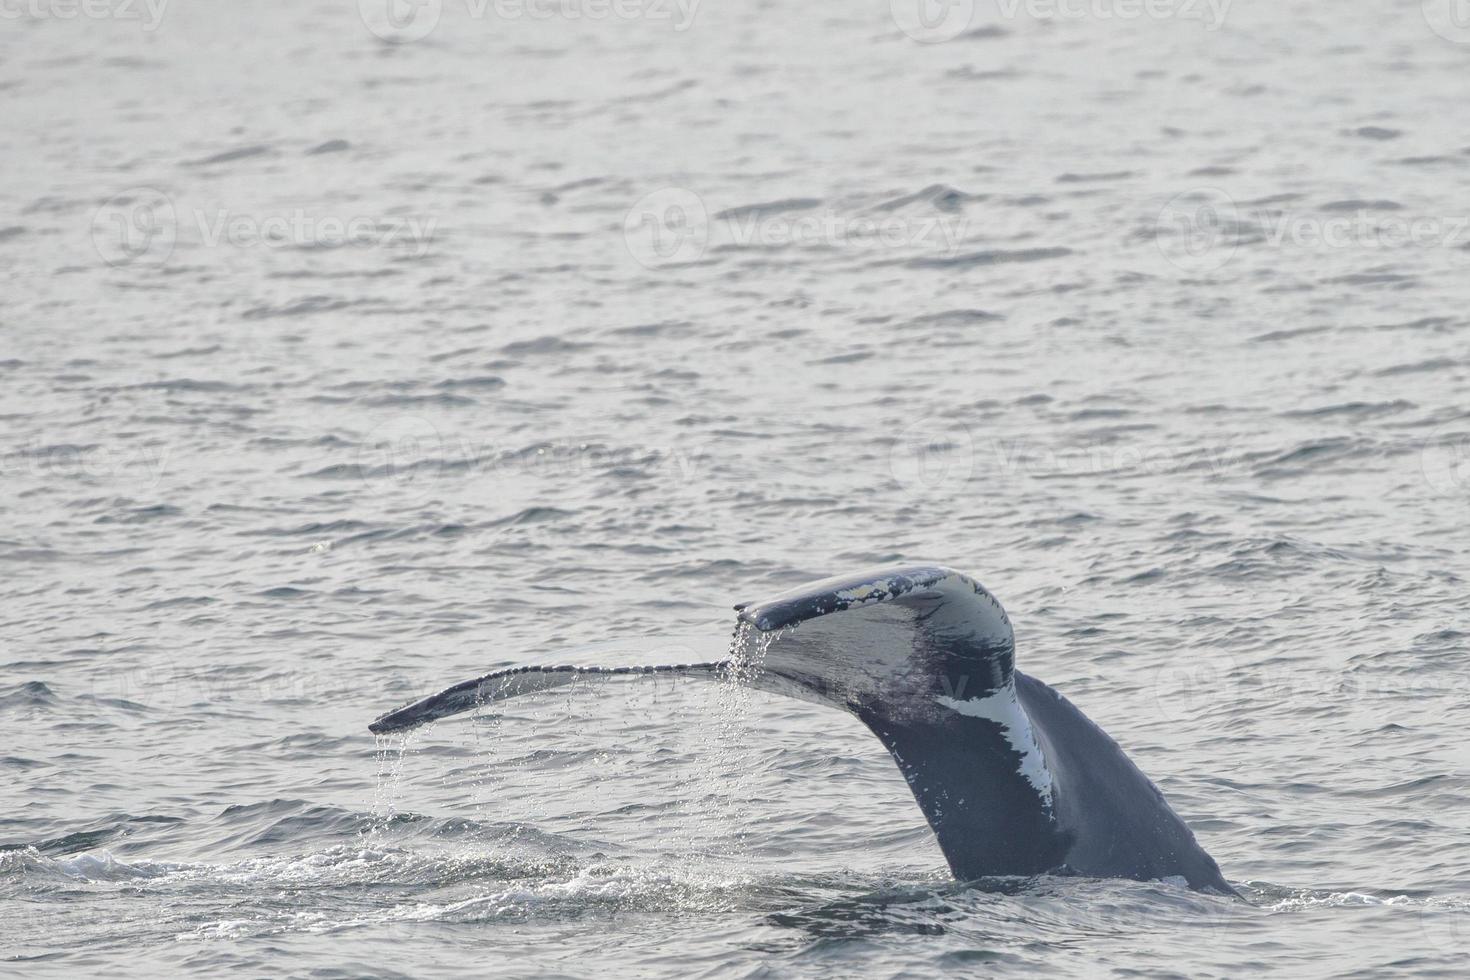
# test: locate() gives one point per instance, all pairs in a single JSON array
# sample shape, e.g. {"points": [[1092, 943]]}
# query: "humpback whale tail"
{"points": [[1012, 778]]}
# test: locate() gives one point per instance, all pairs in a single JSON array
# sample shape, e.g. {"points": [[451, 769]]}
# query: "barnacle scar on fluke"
{"points": [[1012, 777]]}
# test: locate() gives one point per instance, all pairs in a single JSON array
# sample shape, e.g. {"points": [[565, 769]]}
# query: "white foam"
{"points": [[87, 866], [612, 887]]}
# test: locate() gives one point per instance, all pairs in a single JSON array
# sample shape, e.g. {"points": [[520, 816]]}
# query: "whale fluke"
{"points": [[1012, 778]]}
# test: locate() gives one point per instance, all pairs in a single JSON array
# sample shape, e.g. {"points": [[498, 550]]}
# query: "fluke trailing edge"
{"points": [[1011, 776]]}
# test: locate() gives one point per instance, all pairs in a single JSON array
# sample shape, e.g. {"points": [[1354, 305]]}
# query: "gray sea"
{"points": [[349, 350]]}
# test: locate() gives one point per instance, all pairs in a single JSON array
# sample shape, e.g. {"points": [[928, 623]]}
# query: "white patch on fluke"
{"points": [[883, 589], [1003, 709], [869, 592]]}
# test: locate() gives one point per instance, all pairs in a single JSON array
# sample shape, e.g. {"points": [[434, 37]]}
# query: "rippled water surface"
{"points": [[336, 367]]}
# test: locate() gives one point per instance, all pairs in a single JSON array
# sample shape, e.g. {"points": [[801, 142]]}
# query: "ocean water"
{"points": [[348, 351]]}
